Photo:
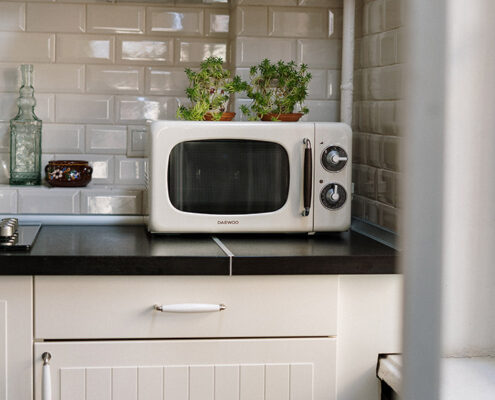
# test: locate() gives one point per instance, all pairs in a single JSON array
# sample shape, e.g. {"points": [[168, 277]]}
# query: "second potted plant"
{"points": [[277, 91], [209, 92]]}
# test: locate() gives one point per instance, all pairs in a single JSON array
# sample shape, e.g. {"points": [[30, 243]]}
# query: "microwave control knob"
{"points": [[334, 158], [333, 196]]}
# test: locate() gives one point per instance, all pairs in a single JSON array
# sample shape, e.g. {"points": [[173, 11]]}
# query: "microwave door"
{"points": [[228, 177]]}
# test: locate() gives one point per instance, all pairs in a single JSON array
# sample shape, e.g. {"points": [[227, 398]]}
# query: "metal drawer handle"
{"points": [[46, 380], [189, 308]]}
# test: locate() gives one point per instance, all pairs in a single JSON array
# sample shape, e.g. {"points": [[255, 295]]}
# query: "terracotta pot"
{"points": [[226, 116], [68, 173], [293, 117]]}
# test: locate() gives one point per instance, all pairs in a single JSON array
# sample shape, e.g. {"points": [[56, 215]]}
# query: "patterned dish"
{"points": [[68, 173]]}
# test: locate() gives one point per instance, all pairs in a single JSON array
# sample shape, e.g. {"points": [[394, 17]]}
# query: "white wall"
{"points": [[469, 270]]}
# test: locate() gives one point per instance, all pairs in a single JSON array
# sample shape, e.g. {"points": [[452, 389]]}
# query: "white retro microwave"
{"points": [[206, 177]]}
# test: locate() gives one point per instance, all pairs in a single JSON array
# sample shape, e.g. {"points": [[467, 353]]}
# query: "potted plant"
{"points": [[209, 92], [276, 91]]}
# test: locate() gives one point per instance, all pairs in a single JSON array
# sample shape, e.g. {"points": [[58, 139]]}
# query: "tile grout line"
{"points": [[226, 250]]}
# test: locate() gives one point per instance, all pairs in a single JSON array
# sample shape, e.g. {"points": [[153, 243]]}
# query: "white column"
{"points": [[423, 200]]}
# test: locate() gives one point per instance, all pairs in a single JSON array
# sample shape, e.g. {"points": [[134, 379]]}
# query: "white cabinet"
{"points": [[16, 330], [118, 307], [310, 337], [234, 369]]}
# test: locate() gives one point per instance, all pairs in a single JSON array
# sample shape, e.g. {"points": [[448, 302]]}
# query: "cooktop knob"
{"points": [[334, 158], [333, 196]]}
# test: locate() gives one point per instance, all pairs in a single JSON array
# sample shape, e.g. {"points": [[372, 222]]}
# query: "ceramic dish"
{"points": [[68, 173]]}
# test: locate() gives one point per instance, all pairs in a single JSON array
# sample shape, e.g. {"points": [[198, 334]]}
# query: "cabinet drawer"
{"points": [[98, 307], [235, 369]]}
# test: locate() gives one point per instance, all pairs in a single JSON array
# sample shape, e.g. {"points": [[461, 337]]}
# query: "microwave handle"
{"points": [[308, 177]]}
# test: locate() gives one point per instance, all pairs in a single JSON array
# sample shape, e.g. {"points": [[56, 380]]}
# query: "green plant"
{"points": [[209, 91], [276, 89]]}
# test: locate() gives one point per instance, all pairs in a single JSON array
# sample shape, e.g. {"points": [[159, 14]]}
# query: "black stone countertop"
{"points": [[130, 250]]}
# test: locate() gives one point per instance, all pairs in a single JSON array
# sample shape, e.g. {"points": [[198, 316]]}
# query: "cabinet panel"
{"points": [[285, 369], [16, 330], [121, 307]]}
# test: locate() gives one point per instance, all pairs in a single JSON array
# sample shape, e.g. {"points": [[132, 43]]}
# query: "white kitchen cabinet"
{"points": [[16, 336], [230, 369]]}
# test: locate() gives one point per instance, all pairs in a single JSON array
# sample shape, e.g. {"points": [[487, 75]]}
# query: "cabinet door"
{"points": [[16, 332], [250, 369]]}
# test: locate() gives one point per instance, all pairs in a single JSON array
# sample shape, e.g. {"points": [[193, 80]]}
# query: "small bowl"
{"points": [[68, 173]]}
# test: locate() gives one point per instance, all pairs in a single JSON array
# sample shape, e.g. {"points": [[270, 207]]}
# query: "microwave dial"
{"points": [[334, 158], [333, 196]]}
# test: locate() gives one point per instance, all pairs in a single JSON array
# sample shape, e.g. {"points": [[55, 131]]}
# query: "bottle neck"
{"points": [[26, 101]]}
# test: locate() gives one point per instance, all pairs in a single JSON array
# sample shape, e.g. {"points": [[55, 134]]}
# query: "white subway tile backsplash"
{"points": [[217, 22], [250, 51], [393, 14], [129, 68], [62, 138], [370, 51], [114, 79], [123, 202], [193, 51], [322, 111], [296, 22], [388, 117], [333, 84], [145, 50], [9, 77], [139, 109], [319, 53], [388, 48], [390, 153], [85, 48], [19, 47], [317, 88], [8, 106], [272, 2], [129, 171], [8, 201], [375, 16], [321, 3], [4, 168], [46, 17], [49, 201], [12, 16], [170, 81], [74, 108], [45, 107], [60, 78], [183, 21], [251, 21], [4, 137], [106, 139], [385, 83], [136, 140], [103, 166], [115, 18]]}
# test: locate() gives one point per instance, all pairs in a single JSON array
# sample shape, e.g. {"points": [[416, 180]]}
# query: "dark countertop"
{"points": [[130, 250]]}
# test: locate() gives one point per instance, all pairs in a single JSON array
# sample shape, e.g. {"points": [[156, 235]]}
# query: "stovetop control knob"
{"points": [[333, 196], [334, 158]]}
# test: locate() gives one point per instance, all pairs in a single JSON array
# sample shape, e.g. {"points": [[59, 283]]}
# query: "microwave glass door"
{"points": [[228, 176]]}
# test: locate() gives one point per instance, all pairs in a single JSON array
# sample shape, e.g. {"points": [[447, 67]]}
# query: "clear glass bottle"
{"points": [[25, 136]]}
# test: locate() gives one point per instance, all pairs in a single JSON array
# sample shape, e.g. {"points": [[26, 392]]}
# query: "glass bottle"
{"points": [[25, 135]]}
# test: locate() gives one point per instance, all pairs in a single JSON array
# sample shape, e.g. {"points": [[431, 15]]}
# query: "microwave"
{"points": [[209, 177]]}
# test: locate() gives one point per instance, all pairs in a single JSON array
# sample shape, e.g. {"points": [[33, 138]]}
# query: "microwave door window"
{"points": [[228, 176]]}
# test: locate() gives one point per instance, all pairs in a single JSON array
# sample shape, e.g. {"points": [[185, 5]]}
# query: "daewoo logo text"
{"points": [[228, 222]]}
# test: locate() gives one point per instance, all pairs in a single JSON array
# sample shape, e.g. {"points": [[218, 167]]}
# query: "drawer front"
{"points": [[122, 307], [282, 369]]}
